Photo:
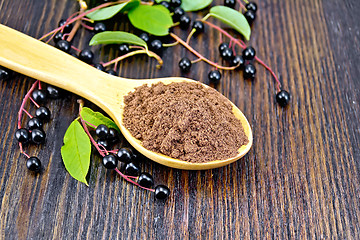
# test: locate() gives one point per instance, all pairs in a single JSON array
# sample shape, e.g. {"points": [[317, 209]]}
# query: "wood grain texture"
{"points": [[301, 179]]}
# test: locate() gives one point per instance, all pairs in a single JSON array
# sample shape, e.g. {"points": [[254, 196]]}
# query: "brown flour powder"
{"points": [[184, 120]]}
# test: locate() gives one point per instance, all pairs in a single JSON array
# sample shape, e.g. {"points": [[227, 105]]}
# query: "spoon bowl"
{"points": [[38, 60]]}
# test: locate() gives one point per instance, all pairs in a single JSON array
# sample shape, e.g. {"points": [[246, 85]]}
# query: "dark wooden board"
{"points": [[299, 180]]}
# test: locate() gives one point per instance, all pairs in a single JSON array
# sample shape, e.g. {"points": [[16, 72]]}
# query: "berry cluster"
{"points": [[33, 133], [127, 159]]}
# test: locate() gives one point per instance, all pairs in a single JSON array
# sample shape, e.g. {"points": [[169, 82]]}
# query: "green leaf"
{"points": [[109, 12], [116, 37], [155, 19], [195, 5], [192, 5], [97, 118], [232, 18], [76, 151]]}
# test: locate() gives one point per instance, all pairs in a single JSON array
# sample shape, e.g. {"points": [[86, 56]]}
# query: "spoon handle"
{"points": [[38, 60]]}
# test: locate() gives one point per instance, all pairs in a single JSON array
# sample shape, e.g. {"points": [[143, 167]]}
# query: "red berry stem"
{"points": [[27, 113], [75, 48], [241, 5], [22, 151], [86, 26], [90, 137], [133, 182], [187, 46], [27, 96], [90, 124], [242, 45], [33, 101]]}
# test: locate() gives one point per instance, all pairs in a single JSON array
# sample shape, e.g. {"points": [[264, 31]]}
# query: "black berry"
{"points": [[156, 46], [123, 49], [283, 98], [175, 3], [229, 3], [43, 113], [223, 46], [111, 72], [63, 45], [103, 143], [109, 161], [102, 131], [132, 169], [86, 55], [214, 76], [250, 16], [22, 135], [162, 192], [198, 26], [113, 135], [39, 96], [52, 92], [38, 136], [238, 61], [185, 64], [165, 4], [145, 37], [99, 66], [227, 54], [185, 22], [249, 71], [5, 74], [58, 36], [178, 12], [67, 28], [99, 27], [34, 123], [124, 155], [251, 6], [33, 164], [249, 53], [145, 180]]}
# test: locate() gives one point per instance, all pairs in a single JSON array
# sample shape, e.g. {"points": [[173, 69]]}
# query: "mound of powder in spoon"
{"points": [[185, 121]]}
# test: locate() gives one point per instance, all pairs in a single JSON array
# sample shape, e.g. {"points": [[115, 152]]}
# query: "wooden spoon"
{"points": [[38, 60]]}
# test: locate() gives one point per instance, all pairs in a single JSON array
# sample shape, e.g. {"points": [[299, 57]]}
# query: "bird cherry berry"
{"points": [[250, 16], [184, 22], [175, 3], [58, 36], [33, 164], [199, 27], [102, 131], [43, 113], [227, 54], [99, 27], [111, 72], [229, 3], [283, 98], [156, 46], [124, 155], [251, 6], [132, 169], [86, 55], [249, 71], [238, 61], [113, 135], [34, 123], [5, 74], [99, 66], [178, 12], [39, 96], [38, 136], [214, 76], [67, 28], [185, 64], [52, 92], [123, 49], [22, 135], [145, 180], [249, 53], [63, 45], [162, 192], [103, 143], [144, 36], [165, 4], [223, 46], [109, 161]]}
